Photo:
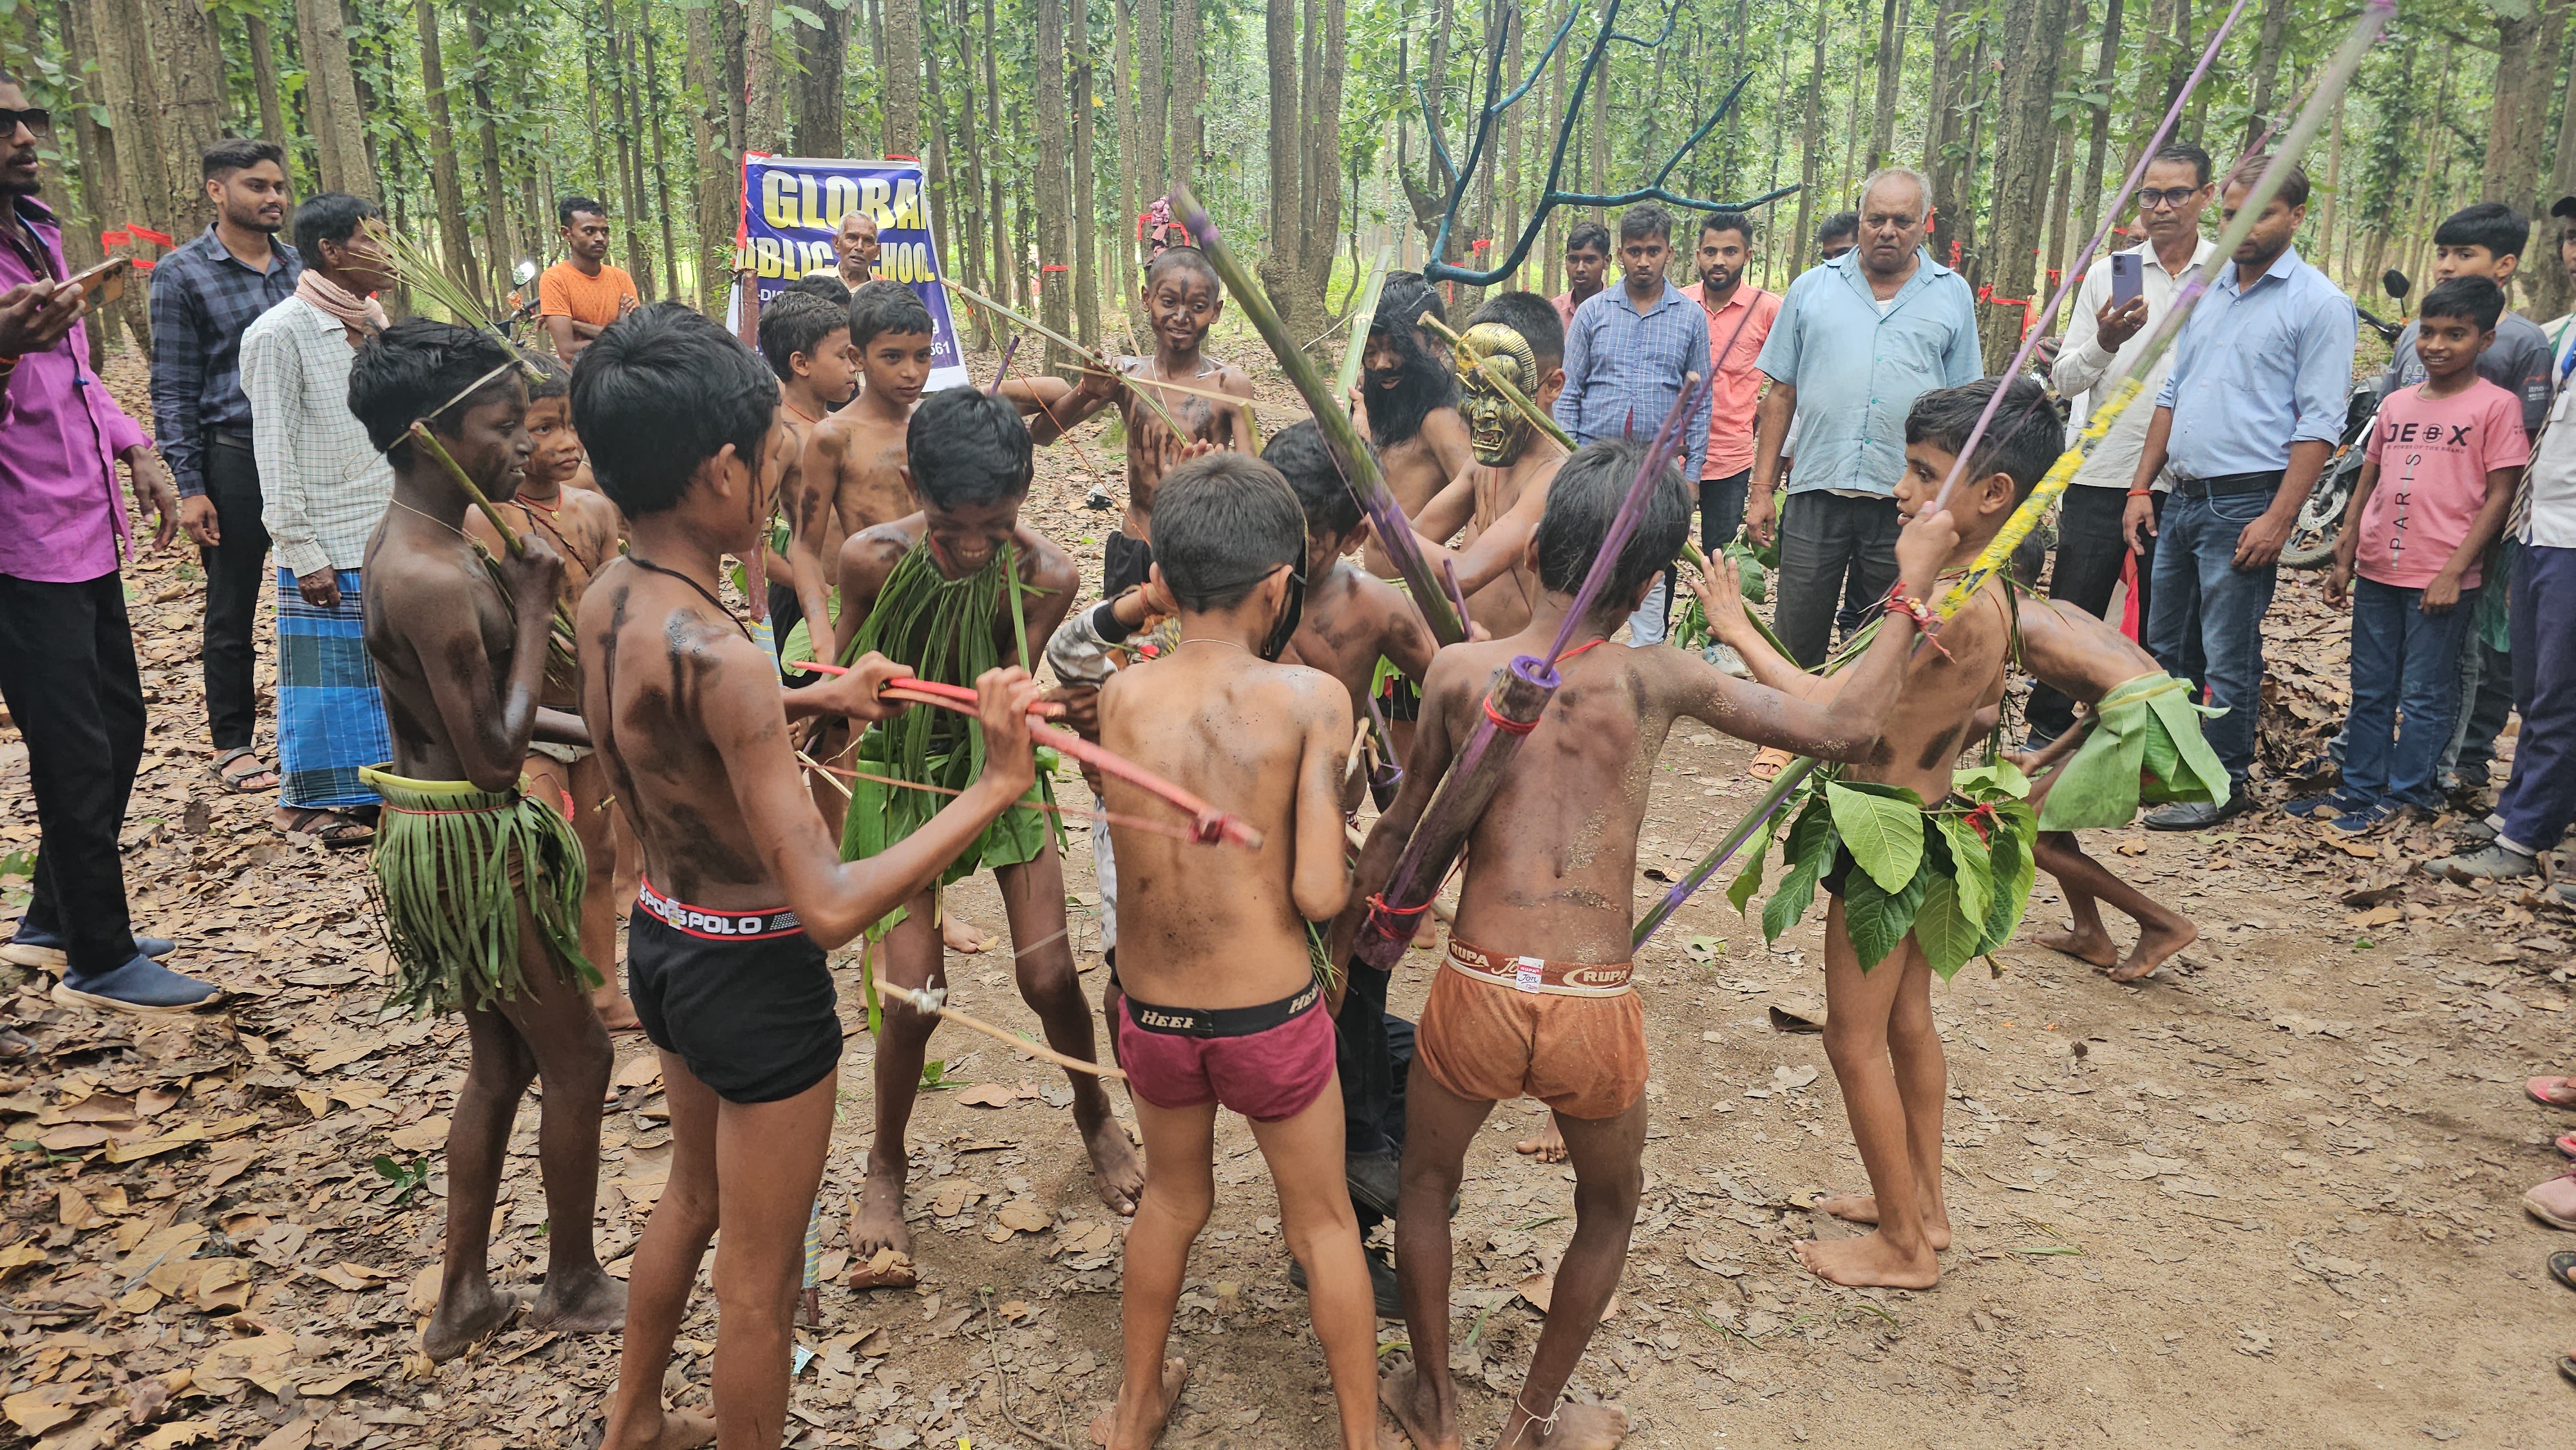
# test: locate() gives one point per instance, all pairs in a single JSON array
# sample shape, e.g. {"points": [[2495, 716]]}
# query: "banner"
{"points": [[792, 206]]}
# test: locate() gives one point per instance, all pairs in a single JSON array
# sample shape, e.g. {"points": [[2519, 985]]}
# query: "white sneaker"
{"points": [[1727, 660]]}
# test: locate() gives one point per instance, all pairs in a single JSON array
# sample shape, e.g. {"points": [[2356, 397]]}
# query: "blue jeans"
{"points": [[2207, 624], [2404, 663], [2541, 796]]}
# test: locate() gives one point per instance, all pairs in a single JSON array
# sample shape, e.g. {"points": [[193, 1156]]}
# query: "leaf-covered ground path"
{"points": [[2269, 1198]]}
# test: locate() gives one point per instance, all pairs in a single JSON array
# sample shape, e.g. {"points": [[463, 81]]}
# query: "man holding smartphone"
{"points": [[2117, 308], [204, 294], [67, 668]]}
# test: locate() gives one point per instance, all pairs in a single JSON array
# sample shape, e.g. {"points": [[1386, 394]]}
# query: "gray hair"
{"points": [[1922, 183]]}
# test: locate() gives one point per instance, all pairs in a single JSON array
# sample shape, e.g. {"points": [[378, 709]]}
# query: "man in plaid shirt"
{"points": [[204, 294]]}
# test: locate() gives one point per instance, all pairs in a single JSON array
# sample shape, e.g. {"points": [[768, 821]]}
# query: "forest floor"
{"points": [[2266, 1198]]}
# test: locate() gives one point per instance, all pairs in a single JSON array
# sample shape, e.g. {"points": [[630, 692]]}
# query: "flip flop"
{"points": [[2532, 1204], [2567, 1145], [335, 831], [1768, 762], [2567, 1368], [2538, 1089], [2562, 1267], [259, 779]]}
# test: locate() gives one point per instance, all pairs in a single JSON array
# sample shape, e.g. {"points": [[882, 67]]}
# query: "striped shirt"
{"points": [[323, 485], [202, 299], [1623, 368]]}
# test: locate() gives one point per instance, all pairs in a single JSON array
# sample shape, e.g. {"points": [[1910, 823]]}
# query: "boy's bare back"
{"points": [[1215, 926], [2072, 651], [1352, 619]]}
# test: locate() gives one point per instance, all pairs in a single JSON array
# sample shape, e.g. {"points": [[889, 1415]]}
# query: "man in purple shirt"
{"points": [[67, 665]]}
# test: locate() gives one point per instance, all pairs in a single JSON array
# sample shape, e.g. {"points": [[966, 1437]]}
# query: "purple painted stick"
{"points": [[1009, 350], [2084, 259]]}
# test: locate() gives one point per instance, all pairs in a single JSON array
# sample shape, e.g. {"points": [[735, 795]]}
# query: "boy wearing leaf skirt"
{"points": [[1924, 870], [1534, 997]]}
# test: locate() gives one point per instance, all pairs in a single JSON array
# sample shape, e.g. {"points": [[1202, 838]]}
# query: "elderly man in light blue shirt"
{"points": [[1856, 342], [2248, 418]]}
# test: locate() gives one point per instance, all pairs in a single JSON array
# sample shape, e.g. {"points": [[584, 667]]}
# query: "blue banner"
{"points": [[793, 205]]}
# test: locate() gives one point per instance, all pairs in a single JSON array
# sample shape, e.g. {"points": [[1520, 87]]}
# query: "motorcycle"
{"points": [[2312, 537], [521, 317]]}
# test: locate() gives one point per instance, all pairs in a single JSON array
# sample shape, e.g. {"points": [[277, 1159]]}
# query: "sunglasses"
{"points": [[2172, 196], [35, 118]]}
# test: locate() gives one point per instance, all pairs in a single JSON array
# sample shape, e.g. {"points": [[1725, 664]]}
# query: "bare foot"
{"points": [[961, 935], [669, 1430], [465, 1320], [1132, 1424], [1863, 1208], [1547, 1145], [1402, 1392], [878, 1223], [616, 1012], [2156, 946], [590, 1303], [1580, 1427], [1115, 1169], [1866, 1261], [2091, 946]]}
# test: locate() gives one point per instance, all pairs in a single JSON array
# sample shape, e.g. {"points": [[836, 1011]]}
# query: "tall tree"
{"points": [[1811, 127], [263, 77], [192, 115], [1086, 229], [703, 70], [1189, 92], [1153, 123], [652, 98], [1055, 295], [2025, 145], [902, 77], [504, 247], [1006, 263], [454, 244], [331, 106], [821, 69], [764, 80], [2550, 289], [629, 151], [2267, 69], [1122, 82], [1891, 69], [2106, 72]]}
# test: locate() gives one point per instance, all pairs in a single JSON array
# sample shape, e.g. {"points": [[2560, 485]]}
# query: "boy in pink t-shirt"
{"points": [[2436, 483]]}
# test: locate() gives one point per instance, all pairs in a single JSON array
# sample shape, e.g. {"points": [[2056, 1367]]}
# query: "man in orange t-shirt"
{"points": [[581, 295]]}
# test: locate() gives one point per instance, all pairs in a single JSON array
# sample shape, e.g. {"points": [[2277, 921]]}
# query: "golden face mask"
{"points": [[1496, 431]]}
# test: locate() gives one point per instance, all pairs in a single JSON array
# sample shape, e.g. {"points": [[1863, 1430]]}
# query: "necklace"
{"points": [[799, 412], [640, 562], [1211, 639], [442, 523]]}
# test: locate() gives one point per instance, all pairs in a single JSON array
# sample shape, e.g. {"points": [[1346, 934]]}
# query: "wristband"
{"points": [[2141, 492]]}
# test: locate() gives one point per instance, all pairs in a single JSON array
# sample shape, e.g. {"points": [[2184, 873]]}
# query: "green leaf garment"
{"points": [[452, 866], [2145, 748]]}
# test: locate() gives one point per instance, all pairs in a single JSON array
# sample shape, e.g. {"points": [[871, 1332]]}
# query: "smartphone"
{"points": [[105, 282], [2128, 278]]}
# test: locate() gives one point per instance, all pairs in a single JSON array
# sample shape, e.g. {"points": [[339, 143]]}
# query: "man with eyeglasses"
{"points": [[2248, 417], [2104, 340], [67, 668]]}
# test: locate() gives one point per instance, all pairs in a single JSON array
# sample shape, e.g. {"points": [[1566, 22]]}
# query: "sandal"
{"points": [[2552, 1203], [1768, 762], [335, 831], [2541, 1089], [2567, 1145], [2562, 1267], [2567, 1368], [256, 780]]}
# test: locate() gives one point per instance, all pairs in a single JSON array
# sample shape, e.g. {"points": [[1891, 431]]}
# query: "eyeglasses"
{"points": [[35, 118], [2172, 196]]}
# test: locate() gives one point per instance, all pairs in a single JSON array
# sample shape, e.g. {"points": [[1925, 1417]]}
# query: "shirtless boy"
{"points": [[1182, 300], [806, 341], [850, 473], [1409, 396], [1544, 1006], [480, 882], [1502, 491], [1221, 1005], [2141, 743], [933, 591], [744, 889], [1879, 1032], [582, 526], [1350, 618]]}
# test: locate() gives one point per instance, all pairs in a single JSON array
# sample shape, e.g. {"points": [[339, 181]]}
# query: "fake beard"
{"points": [[1423, 386]]}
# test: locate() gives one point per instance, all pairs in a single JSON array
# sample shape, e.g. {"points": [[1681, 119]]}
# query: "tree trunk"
{"points": [[1808, 127], [1123, 72], [1551, 269], [1188, 92], [1055, 290], [2267, 70], [263, 71], [902, 77], [503, 249], [2061, 247], [331, 104], [822, 60], [2105, 78], [1154, 124], [1952, 82], [1006, 267], [2512, 170], [2550, 289], [455, 245], [661, 169], [2024, 148], [765, 124], [1891, 68], [630, 152], [1287, 160], [1601, 183], [1086, 223], [2333, 189], [718, 179], [192, 116], [1515, 162]]}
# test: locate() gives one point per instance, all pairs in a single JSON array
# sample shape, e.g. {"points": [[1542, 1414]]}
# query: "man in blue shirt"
{"points": [[1857, 341], [2248, 418], [1626, 358]]}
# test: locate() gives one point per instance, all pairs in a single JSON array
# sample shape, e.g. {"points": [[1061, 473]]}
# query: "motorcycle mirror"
{"points": [[2397, 284], [526, 272]]}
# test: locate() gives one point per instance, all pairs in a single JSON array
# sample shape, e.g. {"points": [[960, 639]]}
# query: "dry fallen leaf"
{"points": [[42, 1408], [1538, 1289], [1025, 1216], [422, 1298], [989, 1095], [176, 1434]]}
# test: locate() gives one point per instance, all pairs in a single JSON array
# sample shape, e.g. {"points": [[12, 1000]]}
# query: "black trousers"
{"points": [[1721, 509], [236, 580], [1373, 1052], [2089, 550], [67, 671], [1825, 537]]}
